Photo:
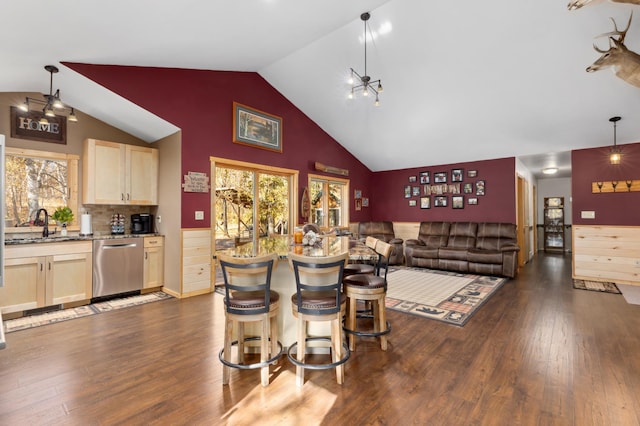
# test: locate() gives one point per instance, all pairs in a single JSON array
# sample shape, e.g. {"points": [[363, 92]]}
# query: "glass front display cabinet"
{"points": [[554, 224]]}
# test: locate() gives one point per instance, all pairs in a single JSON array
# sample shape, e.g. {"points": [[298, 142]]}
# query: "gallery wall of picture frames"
{"points": [[444, 189]]}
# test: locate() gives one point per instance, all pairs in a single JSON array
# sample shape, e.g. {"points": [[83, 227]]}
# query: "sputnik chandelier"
{"points": [[363, 82], [51, 102]]}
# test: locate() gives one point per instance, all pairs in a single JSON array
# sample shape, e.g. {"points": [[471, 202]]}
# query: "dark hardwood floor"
{"points": [[538, 353]]}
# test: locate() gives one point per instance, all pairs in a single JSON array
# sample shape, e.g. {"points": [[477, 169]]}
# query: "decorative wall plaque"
{"points": [[27, 125], [196, 182]]}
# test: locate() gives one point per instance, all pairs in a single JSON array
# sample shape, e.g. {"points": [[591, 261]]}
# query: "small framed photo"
{"points": [[457, 202], [425, 202], [357, 193], [413, 178], [358, 202], [407, 191], [425, 178], [472, 173], [415, 191], [365, 202], [440, 201], [472, 201], [480, 187], [412, 203], [456, 175], [440, 177], [467, 188]]}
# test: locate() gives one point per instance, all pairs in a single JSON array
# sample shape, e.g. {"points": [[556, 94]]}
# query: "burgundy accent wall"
{"points": [[497, 205], [200, 103], [592, 165]]}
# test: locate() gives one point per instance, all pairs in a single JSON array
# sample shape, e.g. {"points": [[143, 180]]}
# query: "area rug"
{"points": [[443, 296], [81, 311], [605, 287]]}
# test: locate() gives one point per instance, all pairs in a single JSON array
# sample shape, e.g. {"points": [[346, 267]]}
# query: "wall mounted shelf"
{"points": [[615, 186]]}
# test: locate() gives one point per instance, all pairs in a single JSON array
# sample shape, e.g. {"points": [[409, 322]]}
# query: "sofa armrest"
{"points": [[510, 247], [395, 241], [414, 242]]}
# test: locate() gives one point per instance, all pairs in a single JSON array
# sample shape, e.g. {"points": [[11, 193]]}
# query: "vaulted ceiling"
{"points": [[463, 81]]}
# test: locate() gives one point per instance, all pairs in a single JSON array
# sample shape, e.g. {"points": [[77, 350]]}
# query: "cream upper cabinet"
{"points": [[115, 173]]}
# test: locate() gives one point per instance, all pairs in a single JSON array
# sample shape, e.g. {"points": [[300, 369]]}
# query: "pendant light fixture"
{"points": [[614, 154], [363, 82], [52, 102]]}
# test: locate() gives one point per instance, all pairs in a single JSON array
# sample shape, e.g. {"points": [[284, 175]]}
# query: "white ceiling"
{"points": [[463, 81]]}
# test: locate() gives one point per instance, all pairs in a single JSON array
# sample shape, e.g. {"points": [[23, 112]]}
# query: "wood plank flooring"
{"points": [[538, 353]]}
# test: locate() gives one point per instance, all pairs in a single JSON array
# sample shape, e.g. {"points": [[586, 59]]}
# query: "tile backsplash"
{"points": [[101, 215]]}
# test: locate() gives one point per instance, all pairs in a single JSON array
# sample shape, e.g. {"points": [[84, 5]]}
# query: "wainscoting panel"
{"points": [[607, 253]]}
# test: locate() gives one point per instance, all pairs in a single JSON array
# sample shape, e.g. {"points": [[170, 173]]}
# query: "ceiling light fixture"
{"points": [[550, 170], [364, 82], [52, 102], [614, 154]]}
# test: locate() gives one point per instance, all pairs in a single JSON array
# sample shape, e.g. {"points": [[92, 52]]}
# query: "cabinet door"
{"points": [[103, 172], [69, 278], [141, 175], [23, 284], [153, 262]]}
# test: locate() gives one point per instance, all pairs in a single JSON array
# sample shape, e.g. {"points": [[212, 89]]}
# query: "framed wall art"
{"points": [[457, 202], [440, 177], [413, 178], [472, 173], [358, 204], [415, 191], [456, 175], [425, 202], [480, 187], [425, 178], [256, 128], [365, 202], [407, 191], [412, 203], [467, 188], [472, 201], [440, 201], [357, 193]]}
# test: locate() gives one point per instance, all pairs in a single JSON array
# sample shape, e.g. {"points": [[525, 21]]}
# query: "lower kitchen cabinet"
{"points": [[153, 262], [46, 274]]}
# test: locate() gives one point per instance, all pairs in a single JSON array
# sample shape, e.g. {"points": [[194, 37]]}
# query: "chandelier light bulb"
{"points": [[380, 89], [377, 102], [57, 103], [365, 92], [24, 106], [48, 111]]}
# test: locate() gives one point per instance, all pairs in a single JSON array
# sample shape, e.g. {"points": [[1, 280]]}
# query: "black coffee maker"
{"points": [[142, 223]]}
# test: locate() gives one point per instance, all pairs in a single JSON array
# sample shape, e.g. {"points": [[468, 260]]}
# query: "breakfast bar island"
{"points": [[283, 280]]}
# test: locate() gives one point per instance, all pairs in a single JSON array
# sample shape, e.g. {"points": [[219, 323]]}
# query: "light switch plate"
{"points": [[588, 214], [199, 215]]}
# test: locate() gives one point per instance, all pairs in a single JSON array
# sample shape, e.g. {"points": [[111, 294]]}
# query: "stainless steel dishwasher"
{"points": [[117, 266]]}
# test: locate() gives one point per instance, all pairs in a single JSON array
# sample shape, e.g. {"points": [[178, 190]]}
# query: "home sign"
{"points": [[27, 125]]}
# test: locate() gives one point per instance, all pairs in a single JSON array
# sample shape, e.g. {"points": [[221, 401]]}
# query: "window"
{"points": [[237, 185], [35, 180], [329, 201]]}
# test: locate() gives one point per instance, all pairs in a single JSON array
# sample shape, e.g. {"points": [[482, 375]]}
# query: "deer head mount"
{"points": [[624, 62], [577, 4]]}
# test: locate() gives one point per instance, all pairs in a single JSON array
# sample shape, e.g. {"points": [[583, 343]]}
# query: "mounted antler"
{"points": [[625, 63], [577, 4]]}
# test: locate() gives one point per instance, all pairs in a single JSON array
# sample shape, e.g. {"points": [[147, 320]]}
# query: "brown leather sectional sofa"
{"points": [[383, 230], [479, 248]]}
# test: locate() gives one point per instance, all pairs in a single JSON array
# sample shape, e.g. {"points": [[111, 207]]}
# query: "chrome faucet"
{"points": [[45, 228]]}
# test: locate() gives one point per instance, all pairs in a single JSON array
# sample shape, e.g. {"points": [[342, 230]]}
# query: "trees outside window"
{"points": [[329, 201]]}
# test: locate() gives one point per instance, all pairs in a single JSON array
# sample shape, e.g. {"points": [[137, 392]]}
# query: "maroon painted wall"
{"points": [[592, 165], [200, 103], [497, 205]]}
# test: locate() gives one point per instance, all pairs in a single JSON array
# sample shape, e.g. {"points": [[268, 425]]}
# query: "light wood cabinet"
{"points": [[46, 274], [116, 174], [153, 262]]}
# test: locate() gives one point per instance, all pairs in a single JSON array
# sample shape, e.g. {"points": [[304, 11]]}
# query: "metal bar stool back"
{"points": [[318, 297], [249, 298]]}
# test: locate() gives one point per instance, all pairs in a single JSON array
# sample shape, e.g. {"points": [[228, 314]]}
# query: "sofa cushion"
{"points": [[493, 236], [425, 252], [462, 235], [485, 256], [452, 253], [434, 234]]}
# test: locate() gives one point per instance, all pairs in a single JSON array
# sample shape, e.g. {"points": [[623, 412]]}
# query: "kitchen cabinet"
{"points": [[153, 262], [554, 224], [46, 274], [116, 174]]}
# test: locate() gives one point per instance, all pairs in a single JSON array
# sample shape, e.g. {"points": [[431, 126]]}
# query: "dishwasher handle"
{"points": [[117, 246]]}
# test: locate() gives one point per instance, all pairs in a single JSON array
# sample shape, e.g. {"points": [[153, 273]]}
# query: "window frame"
{"points": [[72, 186], [344, 209]]}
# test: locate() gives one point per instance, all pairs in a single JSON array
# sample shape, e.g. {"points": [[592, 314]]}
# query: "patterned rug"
{"points": [[605, 287], [444, 296], [81, 311]]}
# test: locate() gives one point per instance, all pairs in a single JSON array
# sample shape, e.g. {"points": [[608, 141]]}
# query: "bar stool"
{"points": [[362, 268], [249, 298], [318, 297], [371, 289]]}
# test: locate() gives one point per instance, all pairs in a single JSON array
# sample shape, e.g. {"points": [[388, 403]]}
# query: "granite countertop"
{"points": [[9, 241]]}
